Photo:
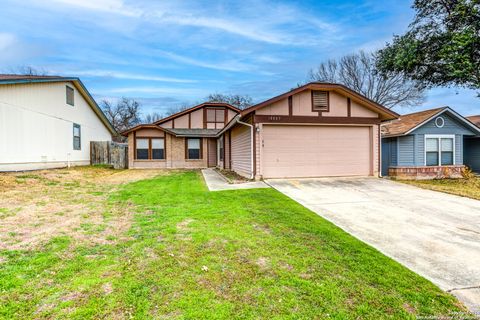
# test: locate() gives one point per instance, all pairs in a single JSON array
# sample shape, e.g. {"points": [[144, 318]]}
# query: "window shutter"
{"points": [[320, 100]]}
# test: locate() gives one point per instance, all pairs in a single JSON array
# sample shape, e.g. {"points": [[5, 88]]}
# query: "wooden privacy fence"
{"points": [[109, 152]]}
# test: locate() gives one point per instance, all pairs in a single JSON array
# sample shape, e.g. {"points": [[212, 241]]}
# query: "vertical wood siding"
{"points": [[241, 150]]}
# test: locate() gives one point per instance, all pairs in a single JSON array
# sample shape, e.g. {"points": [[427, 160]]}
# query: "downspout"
{"points": [[251, 145], [380, 157]]}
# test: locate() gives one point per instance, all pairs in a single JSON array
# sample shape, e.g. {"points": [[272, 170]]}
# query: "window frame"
{"points": [[321, 109], [223, 122], [150, 149], [72, 90], [76, 125], [200, 151], [439, 138]]}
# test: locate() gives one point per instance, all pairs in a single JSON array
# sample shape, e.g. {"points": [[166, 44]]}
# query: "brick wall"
{"points": [[175, 155], [426, 173]]}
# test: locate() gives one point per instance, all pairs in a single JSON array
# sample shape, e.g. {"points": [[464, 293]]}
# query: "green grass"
{"points": [[194, 254], [462, 187]]}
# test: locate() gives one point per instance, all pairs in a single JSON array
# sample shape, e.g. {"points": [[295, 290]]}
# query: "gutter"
{"points": [[251, 145]]}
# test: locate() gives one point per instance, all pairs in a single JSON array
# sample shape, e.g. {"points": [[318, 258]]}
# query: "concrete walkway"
{"points": [[216, 182], [434, 234]]}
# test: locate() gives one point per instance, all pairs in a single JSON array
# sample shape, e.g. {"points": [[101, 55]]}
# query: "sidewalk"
{"points": [[216, 182]]}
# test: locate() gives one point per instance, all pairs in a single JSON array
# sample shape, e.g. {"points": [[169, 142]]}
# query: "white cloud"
{"points": [[131, 76], [6, 41], [14, 52], [157, 90], [112, 6], [226, 66], [274, 26]]}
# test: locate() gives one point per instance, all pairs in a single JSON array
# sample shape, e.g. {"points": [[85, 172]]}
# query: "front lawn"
{"points": [[462, 187], [193, 254]]}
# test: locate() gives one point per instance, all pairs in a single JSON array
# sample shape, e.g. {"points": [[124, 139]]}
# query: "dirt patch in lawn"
{"points": [[36, 206], [233, 177]]}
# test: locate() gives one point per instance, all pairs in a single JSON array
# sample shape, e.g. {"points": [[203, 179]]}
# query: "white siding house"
{"points": [[41, 126]]}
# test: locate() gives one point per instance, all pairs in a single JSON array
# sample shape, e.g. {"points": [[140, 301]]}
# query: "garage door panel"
{"points": [[315, 151]]}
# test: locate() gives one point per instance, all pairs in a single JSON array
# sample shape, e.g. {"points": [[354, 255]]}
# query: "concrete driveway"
{"points": [[434, 234]]}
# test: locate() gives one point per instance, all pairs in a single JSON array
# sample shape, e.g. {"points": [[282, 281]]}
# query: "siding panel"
{"points": [[241, 150], [406, 151]]}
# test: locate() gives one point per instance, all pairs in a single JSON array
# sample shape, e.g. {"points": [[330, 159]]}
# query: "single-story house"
{"points": [[472, 147], [316, 130], [47, 122], [428, 144]]}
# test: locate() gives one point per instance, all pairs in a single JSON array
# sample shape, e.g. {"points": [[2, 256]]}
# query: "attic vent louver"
{"points": [[319, 100]]}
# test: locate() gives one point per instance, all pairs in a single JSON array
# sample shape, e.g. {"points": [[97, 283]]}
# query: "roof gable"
{"points": [[384, 113], [194, 108], [424, 122], [28, 79]]}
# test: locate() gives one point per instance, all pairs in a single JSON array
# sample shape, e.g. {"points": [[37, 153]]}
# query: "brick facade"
{"points": [[175, 155], [426, 173]]}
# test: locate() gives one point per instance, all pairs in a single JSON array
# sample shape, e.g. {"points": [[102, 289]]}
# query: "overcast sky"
{"points": [[166, 53]]}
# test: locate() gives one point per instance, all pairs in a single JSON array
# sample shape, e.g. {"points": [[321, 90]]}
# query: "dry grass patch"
{"points": [[469, 188], [39, 205]]}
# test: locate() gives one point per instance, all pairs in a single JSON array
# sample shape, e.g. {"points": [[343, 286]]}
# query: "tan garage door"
{"points": [[315, 151]]}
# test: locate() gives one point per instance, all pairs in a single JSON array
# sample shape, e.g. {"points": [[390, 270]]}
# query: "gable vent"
{"points": [[320, 100]]}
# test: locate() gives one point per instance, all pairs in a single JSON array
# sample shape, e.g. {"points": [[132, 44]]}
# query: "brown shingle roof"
{"points": [[409, 121], [24, 77], [475, 120]]}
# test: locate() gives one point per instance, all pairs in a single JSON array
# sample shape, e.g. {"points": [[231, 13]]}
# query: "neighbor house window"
{"points": [[70, 96], [215, 118], [150, 149], [194, 148], [76, 137], [439, 150], [320, 100]]}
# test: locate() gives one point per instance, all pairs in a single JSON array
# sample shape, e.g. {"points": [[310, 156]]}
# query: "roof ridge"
{"points": [[422, 111]]}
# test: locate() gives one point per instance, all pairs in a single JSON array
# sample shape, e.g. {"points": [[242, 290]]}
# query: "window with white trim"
{"points": [[439, 150]]}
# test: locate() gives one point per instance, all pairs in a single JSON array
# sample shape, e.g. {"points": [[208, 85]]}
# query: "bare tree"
{"points": [[122, 115], [358, 72], [151, 117], [236, 100], [29, 71], [179, 108]]}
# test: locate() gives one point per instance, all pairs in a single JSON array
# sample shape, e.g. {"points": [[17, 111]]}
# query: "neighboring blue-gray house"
{"points": [[428, 144]]}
